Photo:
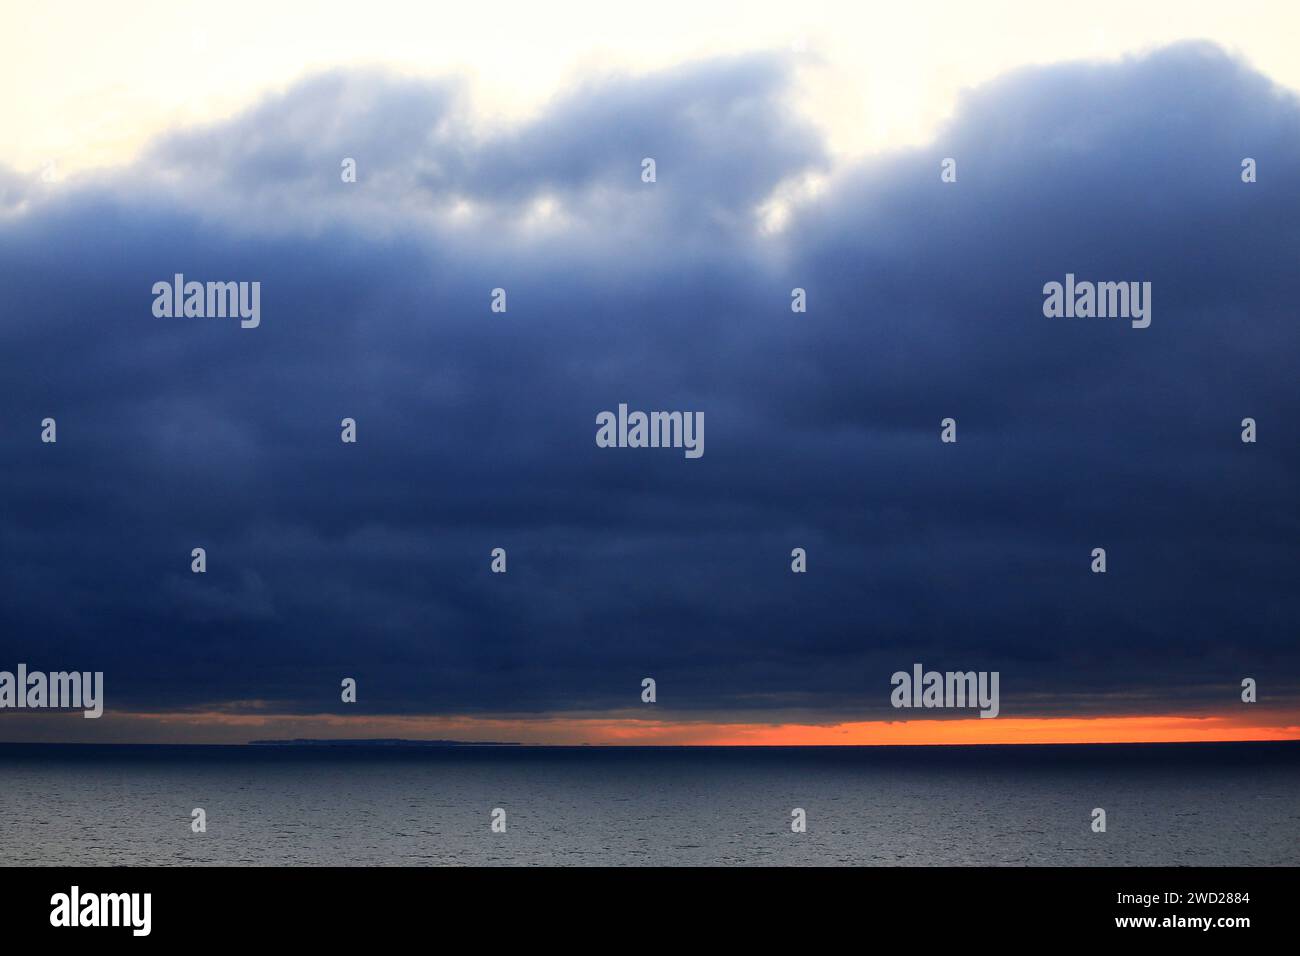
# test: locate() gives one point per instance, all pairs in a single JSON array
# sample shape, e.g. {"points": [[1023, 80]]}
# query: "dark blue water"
{"points": [[1196, 804]]}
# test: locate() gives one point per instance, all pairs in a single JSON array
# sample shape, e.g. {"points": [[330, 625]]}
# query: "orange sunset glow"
{"points": [[624, 729]]}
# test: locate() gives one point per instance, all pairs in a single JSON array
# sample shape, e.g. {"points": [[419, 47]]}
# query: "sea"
{"points": [[288, 805]]}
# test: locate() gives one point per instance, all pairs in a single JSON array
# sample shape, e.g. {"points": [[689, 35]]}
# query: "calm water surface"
{"points": [[1195, 804]]}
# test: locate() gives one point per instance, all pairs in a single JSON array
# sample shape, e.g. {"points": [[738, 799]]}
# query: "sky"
{"points": [[793, 149]]}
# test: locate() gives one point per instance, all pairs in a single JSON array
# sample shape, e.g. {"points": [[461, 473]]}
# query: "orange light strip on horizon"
{"points": [[1012, 730], [625, 729]]}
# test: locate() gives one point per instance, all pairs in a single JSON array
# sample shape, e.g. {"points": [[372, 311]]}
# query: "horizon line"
{"points": [[379, 743], [633, 728]]}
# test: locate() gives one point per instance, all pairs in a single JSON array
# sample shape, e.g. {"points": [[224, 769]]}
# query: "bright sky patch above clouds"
{"points": [[88, 84]]}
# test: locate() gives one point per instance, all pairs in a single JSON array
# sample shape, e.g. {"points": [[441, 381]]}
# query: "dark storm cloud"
{"points": [[476, 430], [719, 131]]}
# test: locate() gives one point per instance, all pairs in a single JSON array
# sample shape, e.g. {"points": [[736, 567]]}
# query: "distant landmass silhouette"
{"points": [[380, 742]]}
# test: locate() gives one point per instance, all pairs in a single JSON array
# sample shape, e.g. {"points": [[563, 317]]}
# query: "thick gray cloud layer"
{"points": [[476, 430]]}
